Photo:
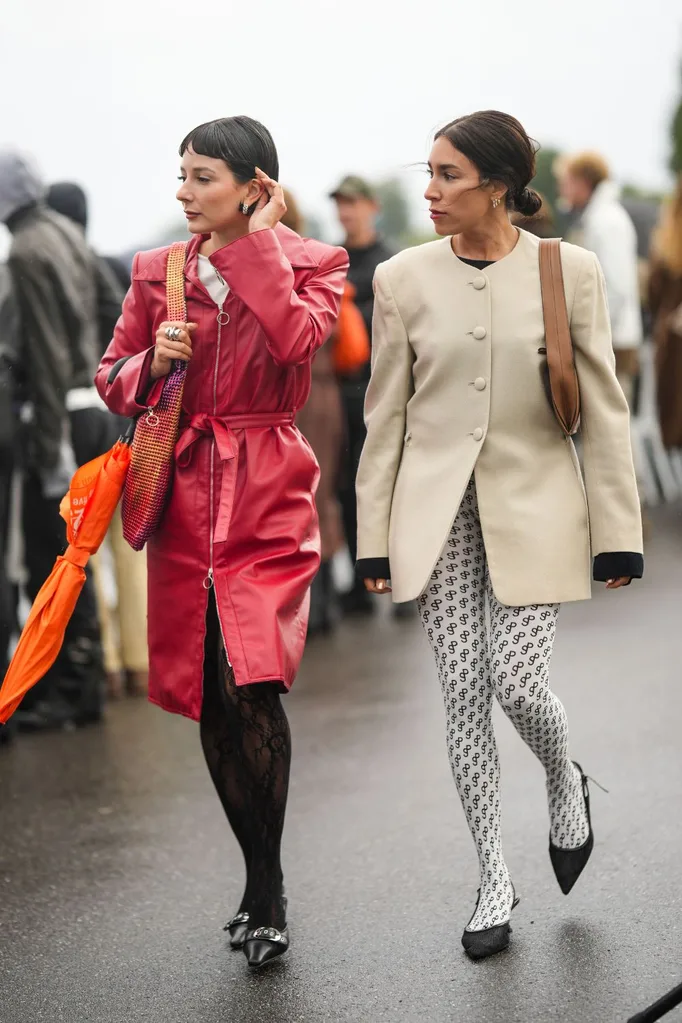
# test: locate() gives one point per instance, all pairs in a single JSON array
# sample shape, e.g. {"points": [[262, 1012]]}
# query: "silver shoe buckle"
{"points": [[269, 934], [240, 918]]}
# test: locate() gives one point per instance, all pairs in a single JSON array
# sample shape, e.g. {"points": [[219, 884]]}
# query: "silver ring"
{"points": [[173, 333]]}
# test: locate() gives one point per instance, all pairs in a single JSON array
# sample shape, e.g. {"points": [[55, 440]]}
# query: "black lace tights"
{"points": [[247, 744]]}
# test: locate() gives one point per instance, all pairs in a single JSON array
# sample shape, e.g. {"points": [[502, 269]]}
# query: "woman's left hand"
{"points": [[615, 584], [271, 206]]}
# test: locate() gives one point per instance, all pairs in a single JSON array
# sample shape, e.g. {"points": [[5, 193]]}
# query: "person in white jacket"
{"points": [[607, 230]]}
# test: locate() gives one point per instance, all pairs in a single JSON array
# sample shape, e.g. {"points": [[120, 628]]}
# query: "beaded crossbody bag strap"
{"points": [[149, 479]]}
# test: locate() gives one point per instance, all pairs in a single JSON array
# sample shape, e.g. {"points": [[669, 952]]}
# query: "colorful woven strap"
{"points": [[149, 479], [175, 282]]}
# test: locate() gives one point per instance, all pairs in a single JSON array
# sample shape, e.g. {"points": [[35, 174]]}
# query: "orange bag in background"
{"points": [[351, 350]]}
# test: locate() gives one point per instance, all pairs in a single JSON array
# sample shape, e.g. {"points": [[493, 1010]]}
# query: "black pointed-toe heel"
{"points": [[238, 927], [265, 944], [568, 864], [491, 940]]}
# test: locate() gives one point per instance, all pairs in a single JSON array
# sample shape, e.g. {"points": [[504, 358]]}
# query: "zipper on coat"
{"points": [[209, 580], [223, 319]]}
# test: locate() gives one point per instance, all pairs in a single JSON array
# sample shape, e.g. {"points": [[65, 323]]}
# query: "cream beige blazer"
{"points": [[457, 389]]}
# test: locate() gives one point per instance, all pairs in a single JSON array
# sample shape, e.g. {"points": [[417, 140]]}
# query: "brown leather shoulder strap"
{"points": [[175, 282], [562, 373]]}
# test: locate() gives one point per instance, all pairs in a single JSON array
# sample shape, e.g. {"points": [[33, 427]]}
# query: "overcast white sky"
{"points": [[102, 93]]}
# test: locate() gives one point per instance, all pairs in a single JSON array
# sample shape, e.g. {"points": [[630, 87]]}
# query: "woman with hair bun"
{"points": [[470, 495]]}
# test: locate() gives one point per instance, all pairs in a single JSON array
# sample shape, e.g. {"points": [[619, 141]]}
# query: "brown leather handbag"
{"points": [[563, 390]]}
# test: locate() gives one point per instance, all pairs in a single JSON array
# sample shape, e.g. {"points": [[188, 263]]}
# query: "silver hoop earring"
{"points": [[245, 209]]}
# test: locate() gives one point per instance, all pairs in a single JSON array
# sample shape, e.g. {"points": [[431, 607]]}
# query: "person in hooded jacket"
{"points": [[51, 275]]}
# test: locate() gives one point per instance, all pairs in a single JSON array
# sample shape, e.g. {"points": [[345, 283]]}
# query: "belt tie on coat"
{"points": [[222, 428]]}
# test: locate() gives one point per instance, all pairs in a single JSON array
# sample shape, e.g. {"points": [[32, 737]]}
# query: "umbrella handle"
{"points": [[127, 437]]}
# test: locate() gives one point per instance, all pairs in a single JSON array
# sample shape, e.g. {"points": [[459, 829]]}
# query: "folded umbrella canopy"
{"points": [[87, 508]]}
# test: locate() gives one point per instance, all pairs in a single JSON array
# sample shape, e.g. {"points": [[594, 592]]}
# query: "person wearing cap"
{"points": [[358, 208]]}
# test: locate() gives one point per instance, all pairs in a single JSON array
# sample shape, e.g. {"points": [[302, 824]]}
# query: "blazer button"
{"points": [[478, 433], [479, 333], [479, 384], [479, 283]]}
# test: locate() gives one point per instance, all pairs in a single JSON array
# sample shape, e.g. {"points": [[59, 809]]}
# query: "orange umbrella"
{"points": [[87, 508]]}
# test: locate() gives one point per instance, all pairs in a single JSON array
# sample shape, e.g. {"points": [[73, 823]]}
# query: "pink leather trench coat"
{"points": [[241, 518]]}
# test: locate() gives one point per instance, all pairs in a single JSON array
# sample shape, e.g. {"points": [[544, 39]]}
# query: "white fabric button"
{"points": [[479, 333], [479, 283], [478, 433], [479, 384]]}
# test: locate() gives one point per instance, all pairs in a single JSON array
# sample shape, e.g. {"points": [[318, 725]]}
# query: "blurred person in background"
{"points": [[69, 199], [231, 563], [51, 271], [123, 632], [321, 423], [358, 209], [665, 304], [606, 228], [470, 496], [9, 359]]}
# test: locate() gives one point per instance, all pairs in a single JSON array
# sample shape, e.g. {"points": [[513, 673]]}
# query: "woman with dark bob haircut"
{"points": [[231, 564], [470, 494]]}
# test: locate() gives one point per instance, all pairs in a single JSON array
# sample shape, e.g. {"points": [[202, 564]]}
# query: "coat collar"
{"points": [[526, 249], [152, 265]]}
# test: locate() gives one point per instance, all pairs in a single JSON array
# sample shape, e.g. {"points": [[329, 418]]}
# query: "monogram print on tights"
{"points": [[504, 653]]}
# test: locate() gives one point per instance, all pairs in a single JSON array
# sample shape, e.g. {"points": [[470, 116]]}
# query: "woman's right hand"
{"points": [[377, 586], [167, 351]]}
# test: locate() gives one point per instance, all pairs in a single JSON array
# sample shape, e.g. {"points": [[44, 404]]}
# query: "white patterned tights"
{"points": [[507, 655]]}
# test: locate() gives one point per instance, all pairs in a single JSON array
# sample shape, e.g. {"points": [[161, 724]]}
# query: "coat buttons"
{"points": [[479, 333], [479, 283], [478, 433], [479, 384]]}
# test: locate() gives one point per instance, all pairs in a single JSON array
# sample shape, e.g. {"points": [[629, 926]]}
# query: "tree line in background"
{"points": [[676, 157]]}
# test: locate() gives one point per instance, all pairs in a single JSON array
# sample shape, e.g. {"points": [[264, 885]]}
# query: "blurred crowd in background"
{"points": [[59, 301]]}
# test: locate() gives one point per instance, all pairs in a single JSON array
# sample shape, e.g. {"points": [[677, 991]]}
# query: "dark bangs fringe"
{"points": [[240, 142]]}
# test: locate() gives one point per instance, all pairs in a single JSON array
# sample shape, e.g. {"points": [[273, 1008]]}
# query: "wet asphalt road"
{"points": [[117, 869]]}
